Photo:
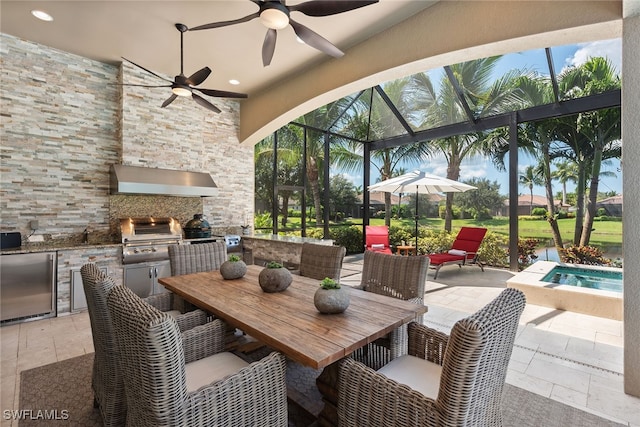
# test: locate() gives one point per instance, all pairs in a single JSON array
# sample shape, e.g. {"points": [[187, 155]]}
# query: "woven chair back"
{"points": [[152, 360], [320, 261], [107, 384], [401, 277], [475, 362], [187, 259]]}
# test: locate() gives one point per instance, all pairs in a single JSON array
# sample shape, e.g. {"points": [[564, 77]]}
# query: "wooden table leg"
{"points": [[327, 383]]}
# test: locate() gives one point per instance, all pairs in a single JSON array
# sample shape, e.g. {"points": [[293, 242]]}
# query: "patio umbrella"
{"points": [[420, 183]]}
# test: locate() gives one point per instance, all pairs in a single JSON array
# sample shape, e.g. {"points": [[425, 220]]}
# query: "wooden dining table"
{"points": [[288, 321]]}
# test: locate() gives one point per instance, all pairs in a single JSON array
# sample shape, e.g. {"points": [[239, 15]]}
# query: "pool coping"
{"points": [[595, 302]]}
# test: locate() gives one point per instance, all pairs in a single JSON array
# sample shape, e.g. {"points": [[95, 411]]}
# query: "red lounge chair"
{"points": [[377, 239], [463, 251]]}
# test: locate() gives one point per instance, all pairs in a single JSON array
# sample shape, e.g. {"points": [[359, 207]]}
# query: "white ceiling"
{"points": [[144, 32]]}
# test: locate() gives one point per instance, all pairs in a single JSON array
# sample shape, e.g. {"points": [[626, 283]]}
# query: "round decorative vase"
{"points": [[274, 279], [331, 301], [233, 269]]}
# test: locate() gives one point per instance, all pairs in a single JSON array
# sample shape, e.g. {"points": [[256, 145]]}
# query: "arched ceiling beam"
{"points": [[426, 41]]}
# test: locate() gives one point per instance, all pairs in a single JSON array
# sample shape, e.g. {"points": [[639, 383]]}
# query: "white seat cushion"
{"points": [[173, 313], [211, 369], [419, 374], [457, 252]]}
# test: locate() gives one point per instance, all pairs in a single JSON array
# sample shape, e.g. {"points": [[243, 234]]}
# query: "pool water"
{"points": [[585, 278]]}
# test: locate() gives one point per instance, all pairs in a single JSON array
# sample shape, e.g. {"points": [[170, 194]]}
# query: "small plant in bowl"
{"points": [[331, 298], [328, 283], [274, 278], [233, 268]]}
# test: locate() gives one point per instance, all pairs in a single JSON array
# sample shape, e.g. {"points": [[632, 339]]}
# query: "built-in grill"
{"points": [[148, 239]]}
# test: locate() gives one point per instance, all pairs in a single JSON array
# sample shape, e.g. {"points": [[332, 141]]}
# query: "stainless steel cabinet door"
{"points": [[139, 278], [162, 269], [27, 285]]}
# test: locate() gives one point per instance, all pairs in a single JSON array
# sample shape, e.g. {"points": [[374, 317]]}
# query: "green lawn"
{"points": [[604, 233]]}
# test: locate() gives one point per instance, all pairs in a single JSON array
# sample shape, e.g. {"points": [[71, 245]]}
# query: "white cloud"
{"points": [[611, 49]]}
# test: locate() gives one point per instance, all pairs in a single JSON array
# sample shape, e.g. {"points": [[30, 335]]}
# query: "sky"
{"points": [[563, 56]]}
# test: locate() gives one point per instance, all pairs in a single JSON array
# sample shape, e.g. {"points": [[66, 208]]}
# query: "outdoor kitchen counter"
{"points": [[58, 246], [286, 250]]}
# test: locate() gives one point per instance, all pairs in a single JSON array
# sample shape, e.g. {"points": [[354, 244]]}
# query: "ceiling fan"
{"points": [[185, 86], [275, 15]]}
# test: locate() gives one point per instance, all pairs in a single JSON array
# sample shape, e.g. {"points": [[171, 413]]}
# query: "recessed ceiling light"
{"points": [[234, 82], [42, 15]]}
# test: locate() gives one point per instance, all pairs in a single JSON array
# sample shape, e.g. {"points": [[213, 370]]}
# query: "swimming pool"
{"points": [[584, 289], [585, 278]]}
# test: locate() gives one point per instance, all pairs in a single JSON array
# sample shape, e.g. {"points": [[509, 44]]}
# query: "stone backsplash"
{"points": [[64, 122]]}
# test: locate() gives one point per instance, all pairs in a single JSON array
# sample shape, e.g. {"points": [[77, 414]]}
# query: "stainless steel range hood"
{"points": [[141, 180]]}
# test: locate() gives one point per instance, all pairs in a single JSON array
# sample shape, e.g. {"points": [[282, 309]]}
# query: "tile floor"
{"points": [[573, 358]]}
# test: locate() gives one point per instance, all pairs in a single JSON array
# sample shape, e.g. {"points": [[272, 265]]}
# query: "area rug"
{"points": [[62, 392]]}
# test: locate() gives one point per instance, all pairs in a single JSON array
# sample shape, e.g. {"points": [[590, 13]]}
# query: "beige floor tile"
{"points": [[613, 403], [569, 396], [8, 367], [543, 368], [8, 392], [613, 340], [527, 382]]}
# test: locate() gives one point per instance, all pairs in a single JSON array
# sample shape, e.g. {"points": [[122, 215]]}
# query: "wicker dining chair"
{"points": [[187, 259], [108, 388], [401, 277], [166, 387], [320, 261], [454, 380]]}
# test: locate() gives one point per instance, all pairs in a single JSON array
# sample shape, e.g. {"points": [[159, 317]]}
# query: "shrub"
{"points": [[589, 255], [349, 237], [531, 218], [527, 252], [455, 211], [539, 212], [493, 250], [398, 234], [601, 212]]}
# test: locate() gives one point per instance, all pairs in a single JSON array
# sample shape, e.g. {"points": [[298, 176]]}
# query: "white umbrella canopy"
{"points": [[420, 183]]}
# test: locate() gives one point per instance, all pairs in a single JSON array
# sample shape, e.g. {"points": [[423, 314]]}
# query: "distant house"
{"points": [[525, 204], [376, 202], [611, 205]]}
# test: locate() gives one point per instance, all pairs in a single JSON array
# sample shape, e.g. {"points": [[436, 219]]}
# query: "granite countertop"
{"points": [[55, 246], [287, 239]]}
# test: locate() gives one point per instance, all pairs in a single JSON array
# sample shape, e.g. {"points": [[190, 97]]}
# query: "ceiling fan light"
{"points": [[274, 19], [181, 91], [42, 15]]}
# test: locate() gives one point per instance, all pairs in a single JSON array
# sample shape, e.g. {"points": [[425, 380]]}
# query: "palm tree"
{"points": [[602, 128], [565, 171], [529, 178], [374, 121], [484, 98], [399, 172]]}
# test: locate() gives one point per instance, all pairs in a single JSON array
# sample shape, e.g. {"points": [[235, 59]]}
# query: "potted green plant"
{"points": [[233, 268], [331, 298], [274, 278]]}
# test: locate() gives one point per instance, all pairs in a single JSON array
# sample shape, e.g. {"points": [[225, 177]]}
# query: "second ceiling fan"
{"points": [[185, 86], [275, 15]]}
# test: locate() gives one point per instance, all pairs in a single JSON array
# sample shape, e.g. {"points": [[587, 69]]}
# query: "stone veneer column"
{"points": [[631, 192]]}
